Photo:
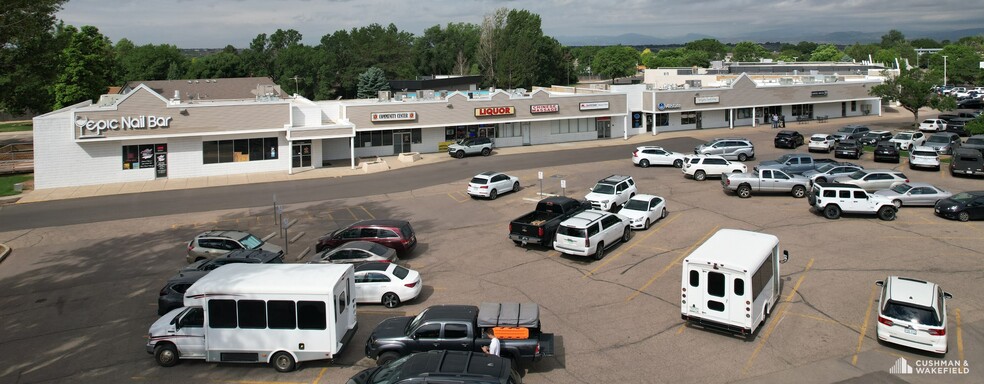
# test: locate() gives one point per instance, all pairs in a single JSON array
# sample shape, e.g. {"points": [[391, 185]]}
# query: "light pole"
{"points": [[295, 78], [944, 70]]}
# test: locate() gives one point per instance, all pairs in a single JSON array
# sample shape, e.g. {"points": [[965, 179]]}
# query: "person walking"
{"points": [[775, 121], [493, 347]]}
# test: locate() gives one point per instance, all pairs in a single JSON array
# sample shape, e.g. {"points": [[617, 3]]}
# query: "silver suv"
{"points": [[215, 243], [851, 132], [471, 146], [731, 148]]}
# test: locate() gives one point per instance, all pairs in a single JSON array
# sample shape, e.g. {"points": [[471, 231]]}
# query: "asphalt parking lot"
{"points": [[76, 301]]}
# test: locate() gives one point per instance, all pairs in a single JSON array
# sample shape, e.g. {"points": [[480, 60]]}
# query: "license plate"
{"points": [[910, 331], [969, 172]]}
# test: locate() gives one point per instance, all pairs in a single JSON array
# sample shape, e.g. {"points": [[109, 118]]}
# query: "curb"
{"points": [[4, 251]]}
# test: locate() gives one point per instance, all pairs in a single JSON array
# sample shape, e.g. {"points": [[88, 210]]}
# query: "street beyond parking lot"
{"points": [[77, 300]]}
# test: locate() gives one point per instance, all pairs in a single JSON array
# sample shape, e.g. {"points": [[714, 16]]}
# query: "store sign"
{"points": [[664, 106], [545, 108], [495, 111], [593, 105], [818, 93], [393, 116], [160, 153], [706, 99], [123, 123]]}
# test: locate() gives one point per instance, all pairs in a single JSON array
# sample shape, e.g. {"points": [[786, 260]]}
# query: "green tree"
{"points": [[714, 49], [911, 90], [790, 55], [806, 48], [860, 51], [892, 39], [826, 52], [295, 69], [748, 51], [149, 62], [925, 42], [616, 61], [962, 65], [30, 41], [88, 66], [219, 65], [450, 50], [976, 127], [371, 82]]}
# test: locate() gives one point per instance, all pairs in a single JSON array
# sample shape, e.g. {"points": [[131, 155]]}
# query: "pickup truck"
{"points": [[765, 180], [795, 163], [540, 226], [461, 328]]}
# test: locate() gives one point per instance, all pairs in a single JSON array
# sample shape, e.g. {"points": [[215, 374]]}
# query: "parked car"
{"points": [[442, 366], [851, 132], [731, 148], [471, 146], [908, 139], [849, 148], [943, 142], [962, 206], [909, 194], [832, 199], [172, 295], [793, 163], [612, 192], [396, 234], [492, 184], [386, 283], [215, 243], [967, 161], [912, 313], [642, 210], [788, 139], [829, 171], [974, 142], [874, 137], [540, 226], [932, 125], [701, 166], [958, 125], [822, 142], [590, 233], [765, 180], [886, 151], [924, 157], [971, 104], [358, 251], [873, 179], [651, 155]]}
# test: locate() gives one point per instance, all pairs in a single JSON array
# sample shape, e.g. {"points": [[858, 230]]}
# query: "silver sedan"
{"points": [[873, 179], [915, 194]]}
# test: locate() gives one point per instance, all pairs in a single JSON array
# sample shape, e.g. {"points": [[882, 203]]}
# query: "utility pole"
{"points": [[944, 70], [295, 78]]}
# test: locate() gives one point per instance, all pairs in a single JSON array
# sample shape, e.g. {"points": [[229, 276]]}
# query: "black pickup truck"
{"points": [[540, 226], [461, 327]]}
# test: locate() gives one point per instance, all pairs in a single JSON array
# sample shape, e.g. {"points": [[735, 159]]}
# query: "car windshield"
{"points": [[911, 313], [251, 242], [389, 372], [571, 231], [607, 189], [783, 158], [975, 141], [846, 130], [938, 139], [857, 175], [903, 136], [826, 167], [637, 205], [901, 188], [415, 322], [962, 197], [924, 153], [479, 180]]}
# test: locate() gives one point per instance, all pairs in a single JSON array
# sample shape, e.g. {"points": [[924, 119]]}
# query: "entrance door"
{"points": [[843, 109], [700, 119], [604, 128], [301, 153], [401, 142], [525, 128]]}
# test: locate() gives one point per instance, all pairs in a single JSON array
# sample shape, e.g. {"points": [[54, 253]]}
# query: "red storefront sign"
{"points": [[495, 111]]}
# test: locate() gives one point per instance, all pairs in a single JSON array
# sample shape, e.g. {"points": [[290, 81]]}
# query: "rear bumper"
{"points": [[526, 239], [572, 251], [715, 325]]}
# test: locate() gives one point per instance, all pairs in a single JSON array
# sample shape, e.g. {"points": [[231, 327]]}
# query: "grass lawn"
{"points": [[16, 126], [7, 183]]}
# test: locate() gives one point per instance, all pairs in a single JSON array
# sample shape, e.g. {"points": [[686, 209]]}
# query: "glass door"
{"points": [[301, 153], [401, 142], [604, 128]]}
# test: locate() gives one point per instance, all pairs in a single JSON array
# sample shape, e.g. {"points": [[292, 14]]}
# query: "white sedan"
{"points": [[643, 210], [385, 283], [491, 184], [932, 125], [651, 155]]}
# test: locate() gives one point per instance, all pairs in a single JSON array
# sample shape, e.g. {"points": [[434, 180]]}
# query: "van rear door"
{"points": [[714, 297]]}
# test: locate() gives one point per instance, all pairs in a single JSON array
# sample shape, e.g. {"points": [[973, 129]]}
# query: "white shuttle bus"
{"points": [[281, 314], [731, 282]]}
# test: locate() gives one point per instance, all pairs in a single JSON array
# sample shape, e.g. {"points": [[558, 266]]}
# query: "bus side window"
{"points": [[694, 278], [739, 287]]}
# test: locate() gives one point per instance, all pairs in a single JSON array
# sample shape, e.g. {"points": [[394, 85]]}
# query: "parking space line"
{"points": [[864, 324], [367, 212], [354, 217], [320, 375], [630, 246], [960, 349], [682, 328], [779, 315], [455, 198], [670, 265]]}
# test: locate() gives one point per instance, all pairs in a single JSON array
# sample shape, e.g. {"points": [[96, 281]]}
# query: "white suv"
{"points": [[590, 232], [912, 313], [650, 155], [701, 166], [822, 142], [923, 156], [833, 198], [908, 139], [611, 192]]}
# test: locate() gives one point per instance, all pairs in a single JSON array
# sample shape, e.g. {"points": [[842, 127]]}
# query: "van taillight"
{"points": [[885, 321], [536, 351], [937, 332], [587, 242], [539, 231]]}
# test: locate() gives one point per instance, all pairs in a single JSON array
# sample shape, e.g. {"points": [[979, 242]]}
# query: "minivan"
{"points": [[396, 234]]}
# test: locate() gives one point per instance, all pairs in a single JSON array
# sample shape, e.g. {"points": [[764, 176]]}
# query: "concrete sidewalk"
{"points": [[392, 162]]}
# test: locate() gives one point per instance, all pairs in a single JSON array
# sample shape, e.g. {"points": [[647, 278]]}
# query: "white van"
{"points": [[731, 282], [281, 314]]}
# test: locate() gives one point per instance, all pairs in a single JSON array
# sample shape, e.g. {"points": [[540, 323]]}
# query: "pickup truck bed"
{"points": [[540, 226]]}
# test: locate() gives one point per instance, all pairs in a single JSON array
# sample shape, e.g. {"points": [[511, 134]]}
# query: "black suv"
{"points": [[848, 148], [442, 367], [172, 295], [788, 139], [887, 151]]}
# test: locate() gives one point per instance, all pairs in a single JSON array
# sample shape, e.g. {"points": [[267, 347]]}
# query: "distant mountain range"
{"points": [[781, 35]]}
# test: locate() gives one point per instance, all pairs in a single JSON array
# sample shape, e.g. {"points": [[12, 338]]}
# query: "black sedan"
{"points": [[873, 137], [887, 151], [848, 148], [962, 206], [788, 139]]}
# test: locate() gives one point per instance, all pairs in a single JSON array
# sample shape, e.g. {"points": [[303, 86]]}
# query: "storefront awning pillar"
{"points": [[352, 151]]}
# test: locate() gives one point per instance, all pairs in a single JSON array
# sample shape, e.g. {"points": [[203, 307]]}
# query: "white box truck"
{"points": [[281, 314], [731, 282]]}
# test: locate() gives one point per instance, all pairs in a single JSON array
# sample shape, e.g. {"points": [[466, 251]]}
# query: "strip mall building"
{"points": [[143, 134]]}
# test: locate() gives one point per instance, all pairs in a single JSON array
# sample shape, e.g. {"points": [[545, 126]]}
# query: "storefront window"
{"points": [[384, 138], [138, 156], [743, 113], [688, 118], [232, 151], [661, 119], [803, 110]]}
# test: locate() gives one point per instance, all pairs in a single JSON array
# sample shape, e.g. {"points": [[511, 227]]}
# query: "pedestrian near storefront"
{"points": [[775, 121]]}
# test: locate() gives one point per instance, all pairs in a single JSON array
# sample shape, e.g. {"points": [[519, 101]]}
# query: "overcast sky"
{"points": [[217, 23]]}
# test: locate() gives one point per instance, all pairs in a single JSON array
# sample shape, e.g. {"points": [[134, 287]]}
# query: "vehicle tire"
{"points": [[391, 300], [832, 212], [627, 235], [386, 357], [662, 214], [742, 157], [600, 252], [459, 154], [486, 151], [515, 187], [744, 191], [963, 216], [493, 194], [897, 203], [283, 362], [647, 224], [799, 191], [700, 176], [678, 163], [821, 179], [166, 355], [886, 213], [644, 163]]}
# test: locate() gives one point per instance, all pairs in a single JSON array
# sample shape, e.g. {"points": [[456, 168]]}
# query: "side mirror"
{"points": [[947, 295], [785, 256], [880, 283]]}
